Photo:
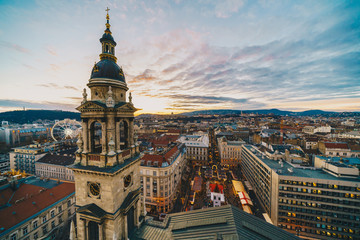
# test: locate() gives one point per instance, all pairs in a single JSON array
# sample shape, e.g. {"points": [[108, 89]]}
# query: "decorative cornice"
{"points": [[107, 82]]}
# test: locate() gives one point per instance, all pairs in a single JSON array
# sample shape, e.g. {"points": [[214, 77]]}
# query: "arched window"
{"points": [[124, 133], [95, 136], [107, 48]]}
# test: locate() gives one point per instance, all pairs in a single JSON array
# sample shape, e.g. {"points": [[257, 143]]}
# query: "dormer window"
{"points": [[149, 163]]}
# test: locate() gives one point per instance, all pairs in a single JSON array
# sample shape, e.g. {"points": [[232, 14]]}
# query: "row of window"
{"points": [[319, 199], [320, 212], [35, 224], [320, 192], [315, 218], [321, 185], [313, 231]]}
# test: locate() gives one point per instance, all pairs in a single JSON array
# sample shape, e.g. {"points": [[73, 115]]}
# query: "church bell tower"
{"points": [[107, 162]]}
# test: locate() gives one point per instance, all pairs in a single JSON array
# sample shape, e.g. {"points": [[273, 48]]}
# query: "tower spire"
{"points": [[107, 24], [107, 41]]}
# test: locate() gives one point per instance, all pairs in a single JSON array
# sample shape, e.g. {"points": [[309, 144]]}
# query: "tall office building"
{"points": [[318, 202]]}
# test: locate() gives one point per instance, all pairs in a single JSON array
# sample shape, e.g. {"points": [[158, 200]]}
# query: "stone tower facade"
{"points": [[106, 169]]}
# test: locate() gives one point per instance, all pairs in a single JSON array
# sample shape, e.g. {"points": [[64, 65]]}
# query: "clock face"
{"points": [[94, 189], [127, 180]]}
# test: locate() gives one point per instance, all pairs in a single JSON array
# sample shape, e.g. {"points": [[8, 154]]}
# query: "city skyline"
{"points": [[179, 56]]}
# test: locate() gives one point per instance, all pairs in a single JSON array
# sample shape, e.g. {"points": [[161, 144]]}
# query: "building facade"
{"points": [[106, 169], [230, 151], [15, 135], [307, 201], [35, 209], [160, 177], [55, 166], [24, 158], [4, 163], [197, 148]]}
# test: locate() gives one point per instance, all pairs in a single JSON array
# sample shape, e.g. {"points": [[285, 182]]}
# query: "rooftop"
{"points": [[225, 222], [30, 197], [347, 161], [287, 169], [57, 159]]}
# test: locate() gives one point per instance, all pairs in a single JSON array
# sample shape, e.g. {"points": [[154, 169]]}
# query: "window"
{"points": [[25, 230], [69, 212], [60, 219], [36, 235], [35, 224], [69, 203], [52, 213], [13, 236], [53, 224], [44, 219], [44, 228], [60, 208], [154, 173]]}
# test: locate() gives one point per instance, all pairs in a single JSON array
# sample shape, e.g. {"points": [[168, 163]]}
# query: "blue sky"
{"points": [[185, 55]]}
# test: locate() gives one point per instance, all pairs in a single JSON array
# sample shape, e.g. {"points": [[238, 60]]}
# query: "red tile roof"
{"points": [[170, 153], [174, 131], [336, 145], [160, 158], [213, 186], [34, 203], [163, 141], [5, 195]]}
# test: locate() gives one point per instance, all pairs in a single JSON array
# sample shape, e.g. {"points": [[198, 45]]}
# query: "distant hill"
{"points": [[30, 116], [271, 111]]}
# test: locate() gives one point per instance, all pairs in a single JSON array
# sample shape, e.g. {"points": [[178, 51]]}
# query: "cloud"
{"points": [[15, 47], [9, 104], [320, 66], [56, 86], [51, 51], [225, 8]]}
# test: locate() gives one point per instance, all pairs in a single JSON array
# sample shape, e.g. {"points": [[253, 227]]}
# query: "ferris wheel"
{"points": [[65, 129]]}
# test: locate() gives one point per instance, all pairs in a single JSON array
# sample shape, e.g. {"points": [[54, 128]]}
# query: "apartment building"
{"points": [[230, 151], [24, 158], [55, 166], [317, 202], [160, 177], [197, 148], [35, 209]]}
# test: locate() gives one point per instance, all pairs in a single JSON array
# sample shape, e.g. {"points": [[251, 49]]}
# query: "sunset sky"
{"points": [[185, 55]]}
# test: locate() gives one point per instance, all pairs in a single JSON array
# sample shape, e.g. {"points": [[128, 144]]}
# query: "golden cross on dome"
{"points": [[107, 10]]}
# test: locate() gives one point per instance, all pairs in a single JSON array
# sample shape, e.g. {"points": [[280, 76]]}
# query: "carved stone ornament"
{"points": [[111, 145], [110, 101], [80, 143], [130, 98], [84, 97]]}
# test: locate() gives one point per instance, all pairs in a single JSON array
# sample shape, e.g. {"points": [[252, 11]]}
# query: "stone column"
{"points": [[101, 234], [111, 128], [85, 135], [84, 229], [125, 227], [137, 213], [131, 132], [117, 137], [103, 138]]}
